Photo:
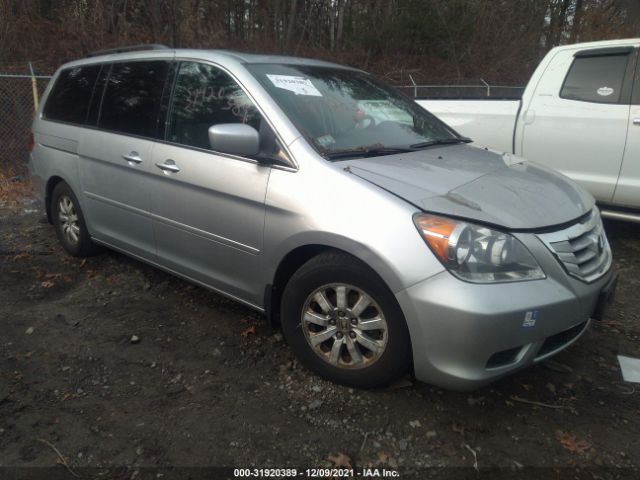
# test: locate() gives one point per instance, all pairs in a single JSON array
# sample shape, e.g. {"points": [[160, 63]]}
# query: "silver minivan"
{"points": [[312, 192]]}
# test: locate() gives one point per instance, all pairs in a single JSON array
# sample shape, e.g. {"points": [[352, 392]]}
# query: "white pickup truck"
{"points": [[580, 114]]}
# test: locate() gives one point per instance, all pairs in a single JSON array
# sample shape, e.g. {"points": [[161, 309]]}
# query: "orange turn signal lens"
{"points": [[436, 232]]}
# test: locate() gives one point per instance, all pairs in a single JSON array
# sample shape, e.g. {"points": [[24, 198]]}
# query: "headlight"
{"points": [[476, 253]]}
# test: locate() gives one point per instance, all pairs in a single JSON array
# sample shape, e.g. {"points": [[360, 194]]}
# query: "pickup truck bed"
{"points": [[489, 122]]}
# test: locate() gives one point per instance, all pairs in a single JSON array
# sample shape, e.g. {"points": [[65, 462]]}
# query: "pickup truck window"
{"points": [[596, 79], [344, 112]]}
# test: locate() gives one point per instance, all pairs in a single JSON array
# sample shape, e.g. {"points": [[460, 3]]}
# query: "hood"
{"points": [[477, 184]]}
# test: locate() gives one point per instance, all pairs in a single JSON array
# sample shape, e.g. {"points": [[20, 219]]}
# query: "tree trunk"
{"points": [[577, 17], [290, 24], [332, 25], [341, 6]]}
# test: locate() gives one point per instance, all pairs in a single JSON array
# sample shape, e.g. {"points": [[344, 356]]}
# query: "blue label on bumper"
{"points": [[530, 318]]}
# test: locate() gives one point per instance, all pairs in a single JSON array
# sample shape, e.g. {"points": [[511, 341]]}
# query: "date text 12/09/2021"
{"points": [[315, 473]]}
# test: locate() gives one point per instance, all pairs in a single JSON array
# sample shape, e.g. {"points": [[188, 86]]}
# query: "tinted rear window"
{"points": [[70, 96], [133, 96], [597, 79]]}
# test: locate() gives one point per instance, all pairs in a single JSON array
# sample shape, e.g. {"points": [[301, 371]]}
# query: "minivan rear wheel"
{"points": [[69, 223], [343, 323]]}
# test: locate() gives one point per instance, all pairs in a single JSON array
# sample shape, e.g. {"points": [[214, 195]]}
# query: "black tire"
{"points": [[337, 268], [83, 247]]}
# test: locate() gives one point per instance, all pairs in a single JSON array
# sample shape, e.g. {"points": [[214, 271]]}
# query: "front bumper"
{"points": [[467, 335]]}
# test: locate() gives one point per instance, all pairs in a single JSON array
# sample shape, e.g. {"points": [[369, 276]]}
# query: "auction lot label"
{"points": [[315, 473], [133, 472]]}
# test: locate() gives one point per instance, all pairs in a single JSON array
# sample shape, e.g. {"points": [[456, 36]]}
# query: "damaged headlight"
{"points": [[476, 253]]}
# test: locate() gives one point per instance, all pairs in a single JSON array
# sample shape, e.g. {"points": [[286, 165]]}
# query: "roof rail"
{"points": [[129, 48]]}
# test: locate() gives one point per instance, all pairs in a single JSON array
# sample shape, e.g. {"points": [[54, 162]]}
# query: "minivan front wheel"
{"points": [[69, 223], [343, 323]]}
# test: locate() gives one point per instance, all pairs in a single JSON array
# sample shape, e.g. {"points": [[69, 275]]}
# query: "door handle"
{"points": [[636, 121], [529, 116], [133, 157], [168, 166]]}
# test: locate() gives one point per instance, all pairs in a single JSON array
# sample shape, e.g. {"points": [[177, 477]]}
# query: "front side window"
{"points": [[132, 98], [596, 79], [70, 96], [344, 112], [204, 96]]}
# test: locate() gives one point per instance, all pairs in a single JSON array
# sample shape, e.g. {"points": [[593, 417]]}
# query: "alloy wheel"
{"points": [[68, 218], [344, 326]]}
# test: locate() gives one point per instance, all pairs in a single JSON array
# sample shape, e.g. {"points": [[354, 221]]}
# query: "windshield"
{"points": [[345, 113]]}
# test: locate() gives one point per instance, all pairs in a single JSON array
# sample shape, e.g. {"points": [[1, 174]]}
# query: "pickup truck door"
{"points": [[628, 189], [577, 118]]}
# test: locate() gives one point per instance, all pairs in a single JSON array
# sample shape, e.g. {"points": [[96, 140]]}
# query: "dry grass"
{"points": [[12, 191]]}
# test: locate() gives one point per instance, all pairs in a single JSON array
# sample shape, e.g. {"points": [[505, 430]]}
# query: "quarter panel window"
{"points": [[132, 98], [597, 79], [204, 96], [70, 96]]}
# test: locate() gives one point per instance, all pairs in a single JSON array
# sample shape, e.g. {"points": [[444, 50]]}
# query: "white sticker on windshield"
{"points": [[297, 85], [382, 110], [605, 91], [326, 140]]}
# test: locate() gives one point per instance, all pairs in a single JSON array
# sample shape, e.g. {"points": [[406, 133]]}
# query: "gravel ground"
{"points": [[112, 369]]}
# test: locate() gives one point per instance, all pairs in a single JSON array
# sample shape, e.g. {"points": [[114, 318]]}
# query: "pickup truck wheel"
{"points": [[343, 323], [69, 223]]}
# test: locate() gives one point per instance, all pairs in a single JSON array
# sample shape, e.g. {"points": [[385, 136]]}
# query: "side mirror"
{"points": [[234, 138]]}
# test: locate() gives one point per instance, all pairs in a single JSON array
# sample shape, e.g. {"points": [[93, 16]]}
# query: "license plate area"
{"points": [[605, 298]]}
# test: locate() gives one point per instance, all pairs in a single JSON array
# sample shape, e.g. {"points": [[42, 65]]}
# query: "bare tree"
{"points": [[291, 23], [438, 40]]}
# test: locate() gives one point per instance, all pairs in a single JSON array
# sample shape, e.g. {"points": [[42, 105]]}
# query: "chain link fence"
{"points": [[462, 92], [19, 95]]}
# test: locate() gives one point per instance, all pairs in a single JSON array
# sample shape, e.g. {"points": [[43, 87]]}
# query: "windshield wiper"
{"points": [[370, 152], [378, 151], [440, 141]]}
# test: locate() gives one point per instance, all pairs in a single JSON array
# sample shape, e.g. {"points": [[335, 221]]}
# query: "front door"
{"points": [[208, 207]]}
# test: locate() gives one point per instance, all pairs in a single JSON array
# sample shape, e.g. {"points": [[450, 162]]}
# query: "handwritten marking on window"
{"points": [[231, 98]]}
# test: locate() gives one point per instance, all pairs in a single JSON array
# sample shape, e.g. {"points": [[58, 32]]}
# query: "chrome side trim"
{"points": [[624, 216], [63, 150], [206, 235], [172, 223], [114, 203]]}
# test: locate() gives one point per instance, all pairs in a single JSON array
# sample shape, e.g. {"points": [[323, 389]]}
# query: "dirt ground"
{"points": [[112, 369]]}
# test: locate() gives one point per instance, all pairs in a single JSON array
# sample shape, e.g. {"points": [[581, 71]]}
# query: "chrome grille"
{"points": [[582, 248]]}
